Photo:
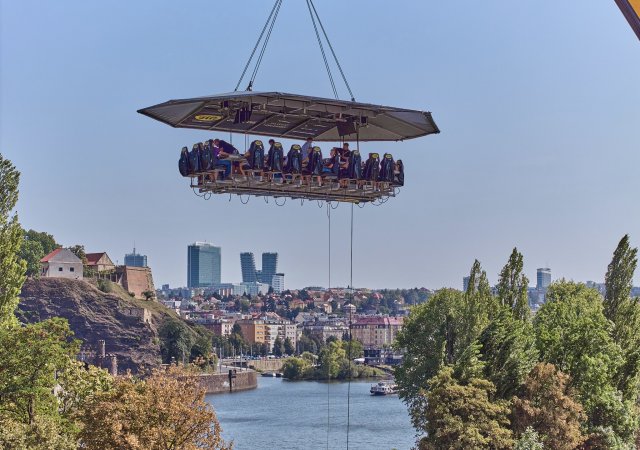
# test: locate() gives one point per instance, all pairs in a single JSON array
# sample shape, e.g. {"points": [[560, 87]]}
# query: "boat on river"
{"points": [[385, 387]]}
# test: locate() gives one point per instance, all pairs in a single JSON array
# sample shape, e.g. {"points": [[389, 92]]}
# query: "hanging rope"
{"points": [[350, 335], [329, 366], [273, 14], [344, 78], [324, 56]]}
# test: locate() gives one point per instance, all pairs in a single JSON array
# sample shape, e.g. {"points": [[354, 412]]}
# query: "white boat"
{"points": [[383, 388]]}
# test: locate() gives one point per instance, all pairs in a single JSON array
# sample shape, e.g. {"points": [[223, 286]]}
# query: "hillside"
{"points": [[95, 315]]}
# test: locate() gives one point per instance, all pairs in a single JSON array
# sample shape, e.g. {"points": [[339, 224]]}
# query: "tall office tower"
{"points": [[248, 266], [544, 278], [269, 267], [465, 283], [204, 265], [135, 259]]}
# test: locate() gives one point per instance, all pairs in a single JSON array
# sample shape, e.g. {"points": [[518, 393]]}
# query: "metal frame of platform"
{"points": [[357, 191]]}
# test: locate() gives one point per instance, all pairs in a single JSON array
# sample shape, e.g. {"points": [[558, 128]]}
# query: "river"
{"points": [[292, 415]]}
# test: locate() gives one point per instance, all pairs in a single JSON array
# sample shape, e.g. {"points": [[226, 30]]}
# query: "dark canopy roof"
{"points": [[293, 116]]}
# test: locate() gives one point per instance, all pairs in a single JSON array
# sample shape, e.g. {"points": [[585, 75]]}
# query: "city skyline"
{"points": [[519, 160]]}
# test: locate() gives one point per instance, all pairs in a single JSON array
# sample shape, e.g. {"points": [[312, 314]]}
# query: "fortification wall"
{"points": [[137, 280], [219, 382]]}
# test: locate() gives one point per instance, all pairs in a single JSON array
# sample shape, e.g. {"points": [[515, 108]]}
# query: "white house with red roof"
{"points": [[61, 263]]}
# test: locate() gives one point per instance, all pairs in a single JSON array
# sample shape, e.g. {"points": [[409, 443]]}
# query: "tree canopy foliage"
{"points": [[570, 375]]}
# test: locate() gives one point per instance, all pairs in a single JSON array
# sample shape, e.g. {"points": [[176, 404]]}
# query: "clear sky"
{"points": [[538, 103]]}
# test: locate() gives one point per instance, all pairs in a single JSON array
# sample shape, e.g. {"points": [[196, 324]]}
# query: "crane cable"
{"points": [[268, 28], [272, 15], [344, 78], [350, 356], [329, 366]]}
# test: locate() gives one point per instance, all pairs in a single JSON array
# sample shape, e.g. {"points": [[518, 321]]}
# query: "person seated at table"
{"points": [[254, 158], [217, 160], [225, 149]]}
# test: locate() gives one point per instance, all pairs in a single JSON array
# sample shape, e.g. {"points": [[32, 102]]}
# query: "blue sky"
{"points": [[538, 103]]}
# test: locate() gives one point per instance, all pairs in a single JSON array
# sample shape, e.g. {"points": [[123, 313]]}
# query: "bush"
{"points": [[105, 286]]}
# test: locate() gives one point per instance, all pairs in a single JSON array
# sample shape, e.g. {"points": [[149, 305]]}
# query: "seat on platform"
{"points": [[207, 159], [255, 158], [372, 167], [275, 158], [398, 176], [354, 170], [334, 170], [183, 162], [314, 166], [387, 166], [294, 160], [194, 158]]}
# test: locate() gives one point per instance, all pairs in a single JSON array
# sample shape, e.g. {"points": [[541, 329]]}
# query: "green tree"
{"points": [[354, 348], [278, 347], [546, 406], [463, 415], [573, 333], [289, 349], [479, 306], [12, 268], [31, 253], [330, 360], [176, 340], [296, 368], [512, 286], [624, 312], [509, 352], [46, 240], [529, 440], [430, 338], [79, 251]]}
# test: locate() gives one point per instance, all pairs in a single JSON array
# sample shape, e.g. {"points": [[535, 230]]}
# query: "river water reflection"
{"points": [[293, 415]]}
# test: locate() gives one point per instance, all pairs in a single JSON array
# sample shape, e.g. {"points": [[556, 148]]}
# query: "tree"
{"points": [[509, 352], [512, 286], [12, 268], [573, 333], [149, 295], [31, 253], [330, 360], [353, 348], [462, 415], [529, 440], [42, 386], [289, 349], [430, 338], [624, 312], [176, 340], [46, 240], [619, 278], [547, 407], [167, 411], [296, 368], [479, 306], [78, 250], [278, 347]]}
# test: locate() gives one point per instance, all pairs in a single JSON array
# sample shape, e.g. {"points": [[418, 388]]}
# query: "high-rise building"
{"points": [[135, 259], [269, 267], [248, 266], [544, 278], [204, 265], [277, 283]]}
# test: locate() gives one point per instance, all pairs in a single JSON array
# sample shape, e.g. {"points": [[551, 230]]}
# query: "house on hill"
{"points": [[100, 262], [61, 263]]}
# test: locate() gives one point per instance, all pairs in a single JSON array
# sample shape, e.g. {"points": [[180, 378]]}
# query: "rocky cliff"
{"points": [[95, 315]]}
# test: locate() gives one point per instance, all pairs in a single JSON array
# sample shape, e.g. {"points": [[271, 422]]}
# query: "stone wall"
{"points": [[136, 279], [219, 382], [263, 365]]}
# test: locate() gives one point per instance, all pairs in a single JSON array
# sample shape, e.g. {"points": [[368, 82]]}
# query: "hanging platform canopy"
{"points": [[292, 116]]}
